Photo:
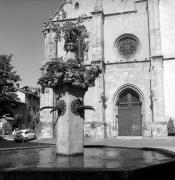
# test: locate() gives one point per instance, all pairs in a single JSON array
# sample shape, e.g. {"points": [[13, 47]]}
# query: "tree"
{"points": [[8, 80]]}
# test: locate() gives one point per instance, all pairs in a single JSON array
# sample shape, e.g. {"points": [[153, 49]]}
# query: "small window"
{"points": [[76, 5]]}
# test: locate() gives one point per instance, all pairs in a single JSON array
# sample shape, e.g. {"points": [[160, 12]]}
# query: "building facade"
{"points": [[24, 113], [28, 105], [132, 41]]}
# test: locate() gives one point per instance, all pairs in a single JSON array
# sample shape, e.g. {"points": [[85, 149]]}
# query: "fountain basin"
{"points": [[98, 162]]}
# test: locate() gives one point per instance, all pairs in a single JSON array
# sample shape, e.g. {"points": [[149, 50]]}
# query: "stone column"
{"points": [[159, 126], [98, 58], [46, 123], [97, 34], [46, 119], [50, 45]]}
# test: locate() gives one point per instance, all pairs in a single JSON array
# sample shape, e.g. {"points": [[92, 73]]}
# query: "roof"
{"points": [[20, 102], [61, 3], [28, 91], [8, 117]]}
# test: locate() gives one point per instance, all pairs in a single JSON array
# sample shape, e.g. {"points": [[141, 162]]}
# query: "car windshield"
{"points": [[19, 132]]}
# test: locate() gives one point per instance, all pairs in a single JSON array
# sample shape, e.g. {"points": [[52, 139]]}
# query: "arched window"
{"points": [[76, 5], [127, 45]]}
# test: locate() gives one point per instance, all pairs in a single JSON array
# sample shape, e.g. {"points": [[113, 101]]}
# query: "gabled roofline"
{"points": [[60, 7], [54, 14]]}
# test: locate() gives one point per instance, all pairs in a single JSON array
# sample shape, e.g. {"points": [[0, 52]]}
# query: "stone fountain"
{"points": [[70, 79]]}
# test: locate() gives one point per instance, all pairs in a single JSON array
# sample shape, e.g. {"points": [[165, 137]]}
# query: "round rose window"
{"points": [[127, 45]]}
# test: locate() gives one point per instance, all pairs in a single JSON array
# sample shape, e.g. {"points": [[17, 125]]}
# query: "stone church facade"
{"points": [[128, 39]]}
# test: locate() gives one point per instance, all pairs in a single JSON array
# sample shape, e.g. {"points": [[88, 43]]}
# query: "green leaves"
{"points": [[57, 72], [7, 82]]}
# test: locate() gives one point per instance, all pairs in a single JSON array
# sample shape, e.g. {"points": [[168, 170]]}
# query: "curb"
{"points": [[30, 147], [156, 149]]}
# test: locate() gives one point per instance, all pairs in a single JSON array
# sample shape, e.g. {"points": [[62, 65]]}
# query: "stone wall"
{"points": [[125, 23], [46, 123], [169, 88], [118, 73], [126, 74], [146, 71], [46, 99], [167, 26]]}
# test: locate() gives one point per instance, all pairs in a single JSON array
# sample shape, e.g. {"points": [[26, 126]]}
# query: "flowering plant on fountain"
{"points": [[72, 31], [57, 72], [71, 71]]}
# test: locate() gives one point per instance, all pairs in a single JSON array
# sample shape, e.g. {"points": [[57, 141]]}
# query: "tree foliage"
{"points": [[8, 80]]}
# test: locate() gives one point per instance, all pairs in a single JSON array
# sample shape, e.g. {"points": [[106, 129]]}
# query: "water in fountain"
{"points": [[94, 157]]}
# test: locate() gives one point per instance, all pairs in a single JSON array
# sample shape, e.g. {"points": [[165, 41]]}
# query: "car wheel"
{"points": [[17, 141]]}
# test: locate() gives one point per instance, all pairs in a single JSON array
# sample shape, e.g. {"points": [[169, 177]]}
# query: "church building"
{"points": [[133, 43]]}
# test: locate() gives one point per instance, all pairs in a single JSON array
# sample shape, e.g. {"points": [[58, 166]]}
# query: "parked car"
{"points": [[24, 135]]}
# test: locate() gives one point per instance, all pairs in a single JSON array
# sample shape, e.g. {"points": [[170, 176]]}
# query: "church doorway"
{"points": [[129, 113]]}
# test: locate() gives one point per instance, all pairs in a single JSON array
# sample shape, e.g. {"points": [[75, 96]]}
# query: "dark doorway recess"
{"points": [[129, 113]]}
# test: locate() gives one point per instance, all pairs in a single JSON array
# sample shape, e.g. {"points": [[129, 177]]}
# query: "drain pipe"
{"points": [[104, 99], [150, 68]]}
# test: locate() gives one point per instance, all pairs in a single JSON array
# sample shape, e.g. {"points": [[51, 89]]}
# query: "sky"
{"points": [[21, 34]]}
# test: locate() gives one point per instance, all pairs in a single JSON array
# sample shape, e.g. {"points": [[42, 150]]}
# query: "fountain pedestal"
{"points": [[70, 125]]}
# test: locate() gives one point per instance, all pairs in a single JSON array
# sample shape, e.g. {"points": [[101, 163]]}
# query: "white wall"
{"points": [[21, 96], [167, 25], [169, 88]]}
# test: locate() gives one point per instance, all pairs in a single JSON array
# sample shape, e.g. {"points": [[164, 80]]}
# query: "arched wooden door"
{"points": [[129, 114]]}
